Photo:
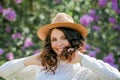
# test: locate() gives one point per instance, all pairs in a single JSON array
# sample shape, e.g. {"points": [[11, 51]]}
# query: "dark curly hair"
{"points": [[49, 57]]}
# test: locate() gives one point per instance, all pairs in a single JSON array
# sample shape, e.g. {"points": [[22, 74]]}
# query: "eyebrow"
{"points": [[55, 37]]}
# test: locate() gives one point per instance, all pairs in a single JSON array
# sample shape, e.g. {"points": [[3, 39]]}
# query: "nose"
{"points": [[60, 43]]}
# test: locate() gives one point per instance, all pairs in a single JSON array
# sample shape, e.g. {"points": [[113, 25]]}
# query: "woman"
{"points": [[62, 56]]}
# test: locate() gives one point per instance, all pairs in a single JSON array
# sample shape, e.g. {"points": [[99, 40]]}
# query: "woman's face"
{"points": [[58, 41]]}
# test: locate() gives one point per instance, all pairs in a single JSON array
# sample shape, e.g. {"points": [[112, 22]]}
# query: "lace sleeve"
{"points": [[100, 70], [15, 69]]}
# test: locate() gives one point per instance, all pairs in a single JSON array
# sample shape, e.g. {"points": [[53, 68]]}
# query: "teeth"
{"points": [[60, 49]]}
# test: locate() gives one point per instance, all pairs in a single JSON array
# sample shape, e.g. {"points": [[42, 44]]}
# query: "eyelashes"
{"points": [[62, 38]]}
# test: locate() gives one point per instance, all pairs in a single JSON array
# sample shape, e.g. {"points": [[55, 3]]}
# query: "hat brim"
{"points": [[43, 31]]}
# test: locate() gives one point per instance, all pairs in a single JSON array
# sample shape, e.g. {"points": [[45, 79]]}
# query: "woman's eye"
{"points": [[53, 39]]}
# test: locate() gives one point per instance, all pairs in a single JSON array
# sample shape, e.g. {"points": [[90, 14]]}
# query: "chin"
{"points": [[58, 53]]}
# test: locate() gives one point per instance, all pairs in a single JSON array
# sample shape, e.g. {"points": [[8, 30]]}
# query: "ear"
{"points": [[84, 44], [82, 47]]}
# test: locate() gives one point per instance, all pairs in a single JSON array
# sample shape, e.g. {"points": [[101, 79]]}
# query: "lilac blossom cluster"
{"points": [[115, 6], [27, 44], [10, 15], [87, 19], [108, 58], [92, 16]]}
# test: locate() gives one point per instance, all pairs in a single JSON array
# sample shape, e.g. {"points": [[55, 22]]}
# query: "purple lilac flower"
{"points": [[92, 53], [116, 27], [112, 20], [86, 20], [92, 12], [97, 50], [18, 1], [97, 28], [115, 65], [10, 56], [8, 29], [102, 3], [28, 43], [118, 11], [115, 6], [36, 51], [57, 1], [109, 58], [1, 51], [16, 36], [1, 8], [9, 14], [87, 47], [96, 18]]}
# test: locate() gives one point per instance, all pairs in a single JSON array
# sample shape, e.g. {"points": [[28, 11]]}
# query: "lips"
{"points": [[60, 49]]}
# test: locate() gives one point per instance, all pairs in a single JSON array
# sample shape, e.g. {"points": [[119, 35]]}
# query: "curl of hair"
{"points": [[76, 41], [49, 57]]}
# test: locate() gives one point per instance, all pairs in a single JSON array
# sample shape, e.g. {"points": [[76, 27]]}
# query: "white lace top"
{"points": [[88, 69]]}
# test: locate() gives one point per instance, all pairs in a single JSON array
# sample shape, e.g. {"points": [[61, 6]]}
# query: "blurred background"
{"points": [[20, 19]]}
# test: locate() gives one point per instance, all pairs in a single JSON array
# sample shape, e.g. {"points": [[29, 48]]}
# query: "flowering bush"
{"points": [[20, 19]]}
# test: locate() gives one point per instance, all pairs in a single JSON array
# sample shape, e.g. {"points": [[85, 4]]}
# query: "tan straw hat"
{"points": [[61, 20]]}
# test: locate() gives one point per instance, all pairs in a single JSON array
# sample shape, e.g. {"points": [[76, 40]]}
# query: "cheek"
{"points": [[53, 45], [67, 43]]}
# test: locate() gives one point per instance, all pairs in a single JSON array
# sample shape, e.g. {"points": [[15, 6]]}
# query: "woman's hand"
{"points": [[33, 60], [76, 58]]}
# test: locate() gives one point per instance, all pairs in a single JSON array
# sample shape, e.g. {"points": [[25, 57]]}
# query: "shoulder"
{"points": [[87, 74], [27, 72]]}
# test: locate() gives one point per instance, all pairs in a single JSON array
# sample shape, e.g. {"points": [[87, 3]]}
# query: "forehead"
{"points": [[56, 33]]}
